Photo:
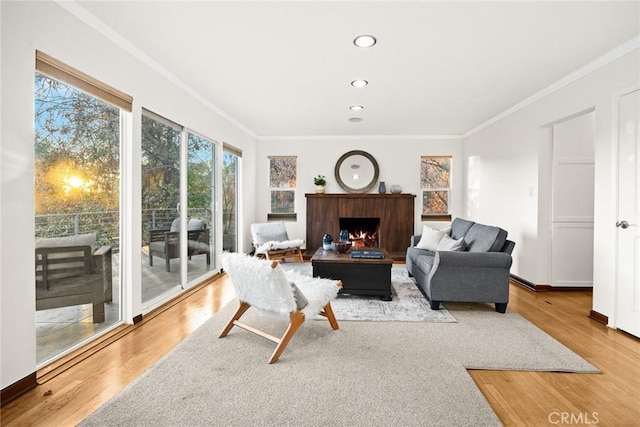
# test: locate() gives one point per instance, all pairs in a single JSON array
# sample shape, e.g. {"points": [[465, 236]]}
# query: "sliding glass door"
{"points": [[77, 215], [230, 174], [178, 196], [160, 164], [200, 202]]}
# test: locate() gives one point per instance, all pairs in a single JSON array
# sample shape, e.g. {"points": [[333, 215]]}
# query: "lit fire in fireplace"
{"points": [[361, 239]]}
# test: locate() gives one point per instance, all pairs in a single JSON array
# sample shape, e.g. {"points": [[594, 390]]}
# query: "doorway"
{"points": [[572, 201]]}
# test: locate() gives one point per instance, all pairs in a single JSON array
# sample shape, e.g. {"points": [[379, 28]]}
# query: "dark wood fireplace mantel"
{"points": [[396, 213]]}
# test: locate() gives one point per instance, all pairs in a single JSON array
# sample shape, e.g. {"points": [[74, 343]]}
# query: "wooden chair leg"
{"points": [[327, 312], [300, 258], [241, 310], [296, 320]]}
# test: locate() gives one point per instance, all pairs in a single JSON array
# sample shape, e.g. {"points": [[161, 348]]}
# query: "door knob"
{"points": [[622, 224]]}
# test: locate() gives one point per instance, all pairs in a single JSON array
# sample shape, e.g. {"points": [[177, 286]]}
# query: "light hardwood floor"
{"points": [[518, 398]]}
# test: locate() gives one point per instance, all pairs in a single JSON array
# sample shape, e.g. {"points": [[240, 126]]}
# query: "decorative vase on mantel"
{"points": [[382, 188], [396, 189], [319, 189]]}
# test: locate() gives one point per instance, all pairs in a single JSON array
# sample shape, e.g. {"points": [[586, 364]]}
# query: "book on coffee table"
{"points": [[367, 254]]}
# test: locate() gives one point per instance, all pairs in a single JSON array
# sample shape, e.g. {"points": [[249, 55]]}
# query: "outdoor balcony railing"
{"points": [[106, 225]]}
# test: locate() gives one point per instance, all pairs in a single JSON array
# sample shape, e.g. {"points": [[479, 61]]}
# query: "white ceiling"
{"points": [[282, 69]]}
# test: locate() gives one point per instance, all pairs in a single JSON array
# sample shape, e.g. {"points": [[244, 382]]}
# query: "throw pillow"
{"points": [[430, 238], [298, 296], [175, 225], [449, 244]]}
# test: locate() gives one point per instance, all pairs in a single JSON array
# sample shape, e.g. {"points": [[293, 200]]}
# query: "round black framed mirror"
{"points": [[356, 171]]}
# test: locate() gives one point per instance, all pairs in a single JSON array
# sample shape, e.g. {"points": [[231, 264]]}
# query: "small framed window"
{"points": [[435, 185], [283, 177]]}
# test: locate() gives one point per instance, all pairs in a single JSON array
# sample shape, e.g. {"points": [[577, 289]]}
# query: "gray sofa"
{"points": [[478, 273]]}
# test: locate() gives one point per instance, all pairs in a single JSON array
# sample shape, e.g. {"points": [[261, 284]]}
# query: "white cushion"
{"points": [[268, 232], [88, 239], [449, 244], [175, 225], [76, 240], [430, 238], [195, 224]]}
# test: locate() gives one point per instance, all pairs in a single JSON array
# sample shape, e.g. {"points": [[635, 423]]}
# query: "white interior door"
{"points": [[572, 202], [628, 294]]}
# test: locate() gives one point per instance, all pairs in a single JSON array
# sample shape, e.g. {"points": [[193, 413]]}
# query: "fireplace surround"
{"points": [[394, 214]]}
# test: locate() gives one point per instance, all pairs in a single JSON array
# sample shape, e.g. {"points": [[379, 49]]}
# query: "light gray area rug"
{"points": [[408, 304], [364, 374]]}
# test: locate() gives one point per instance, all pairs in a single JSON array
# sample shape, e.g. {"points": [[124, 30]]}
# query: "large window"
{"points": [[282, 185], [230, 198], [435, 184], [77, 193], [177, 195]]}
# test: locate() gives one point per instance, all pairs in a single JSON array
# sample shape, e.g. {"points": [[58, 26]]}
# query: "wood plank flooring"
{"points": [[518, 398]]}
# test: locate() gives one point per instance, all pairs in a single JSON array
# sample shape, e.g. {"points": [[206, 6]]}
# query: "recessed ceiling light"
{"points": [[359, 83], [356, 107], [364, 41], [355, 119]]}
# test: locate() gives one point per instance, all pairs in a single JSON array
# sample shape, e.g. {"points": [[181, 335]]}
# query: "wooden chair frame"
{"points": [[171, 245], [296, 319], [283, 254], [73, 275]]}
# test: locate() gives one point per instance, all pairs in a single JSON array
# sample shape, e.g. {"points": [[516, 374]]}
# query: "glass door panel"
{"points": [[200, 197], [230, 164], [160, 207], [77, 191]]}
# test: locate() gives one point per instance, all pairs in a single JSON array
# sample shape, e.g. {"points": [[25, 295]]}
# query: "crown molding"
{"points": [[92, 21], [581, 72], [355, 137]]}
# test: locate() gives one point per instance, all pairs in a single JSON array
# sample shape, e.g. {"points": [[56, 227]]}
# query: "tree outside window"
{"points": [[282, 184], [435, 183], [77, 160]]}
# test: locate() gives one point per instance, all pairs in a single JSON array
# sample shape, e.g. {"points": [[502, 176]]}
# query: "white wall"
{"points": [[398, 161], [514, 151], [27, 26]]}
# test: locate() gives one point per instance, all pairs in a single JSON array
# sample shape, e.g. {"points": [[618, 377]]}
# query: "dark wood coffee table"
{"points": [[359, 276]]}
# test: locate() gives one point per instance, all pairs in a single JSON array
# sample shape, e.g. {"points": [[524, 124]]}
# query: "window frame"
{"points": [[282, 215], [423, 190]]}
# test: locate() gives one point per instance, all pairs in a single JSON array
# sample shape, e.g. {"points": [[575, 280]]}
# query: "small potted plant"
{"points": [[319, 182]]}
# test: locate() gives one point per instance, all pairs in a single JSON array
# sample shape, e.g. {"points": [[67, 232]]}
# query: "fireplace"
{"points": [[394, 214], [362, 231]]}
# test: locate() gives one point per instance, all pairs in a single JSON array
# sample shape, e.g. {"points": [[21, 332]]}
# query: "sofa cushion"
{"points": [[430, 238], [425, 262], [449, 244], [460, 227], [484, 238]]}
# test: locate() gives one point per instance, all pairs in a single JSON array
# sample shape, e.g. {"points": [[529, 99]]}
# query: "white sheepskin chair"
{"points": [[271, 241], [264, 285]]}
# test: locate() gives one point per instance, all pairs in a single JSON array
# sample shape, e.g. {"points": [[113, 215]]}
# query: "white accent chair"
{"points": [[264, 285], [271, 241]]}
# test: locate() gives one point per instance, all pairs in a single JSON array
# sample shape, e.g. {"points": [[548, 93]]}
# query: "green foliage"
{"points": [[319, 180], [76, 150]]}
